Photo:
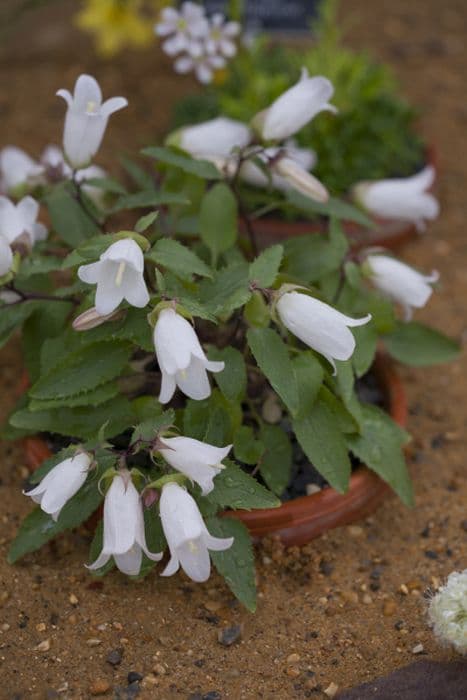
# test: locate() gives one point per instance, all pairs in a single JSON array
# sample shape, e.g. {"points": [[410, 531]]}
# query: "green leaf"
{"points": [[234, 488], [419, 346], [247, 448], [146, 221], [14, 315], [148, 429], [81, 422], [38, 527], [366, 339], [212, 420], [310, 258], [148, 198], [178, 258], [228, 291], [321, 438], [276, 462], [45, 322], [218, 219], [236, 564], [94, 397], [310, 375], [232, 380], [83, 370], [256, 311], [140, 177], [334, 207], [69, 219], [380, 448], [108, 184], [179, 159], [39, 265], [346, 382], [89, 251], [272, 356], [265, 268]]}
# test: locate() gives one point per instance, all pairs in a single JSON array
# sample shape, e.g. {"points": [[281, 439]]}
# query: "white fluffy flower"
{"points": [[448, 612], [124, 537], [216, 137], [6, 256], [86, 120], [61, 483], [119, 274], [186, 28], [295, 108], [198, 460], [319, 325], [181, 358], [21, 218], [203, 65], [220, 39], [186, 534], [401, 199], [400, 282], [16, 169]]}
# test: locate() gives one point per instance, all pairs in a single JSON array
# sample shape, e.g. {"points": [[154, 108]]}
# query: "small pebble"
{"points": [[134, 677], [293, 658], [213, 605], [212, 695], [114, 657], [159, 670], [331, 690], [229, 635], [418, 649], [99, 687], [73, 599], [389, 608], [293, 672], [150, 681], [43, 646], [367, 599], [41, 627], [403, 589], [355, 531], [93, 642], [431, 554], [311, 489]]}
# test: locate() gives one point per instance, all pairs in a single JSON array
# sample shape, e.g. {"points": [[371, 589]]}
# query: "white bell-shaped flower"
{"points": [[186, 534], [186, 28], [295, 108], [198, 460], [216, 137], [400, 282], [124, 537], [21, 218], [400, 199], [181, 358], [61, 483], [86, 120], [118, 275], [16, 169], [319, 325], [6, 256]]}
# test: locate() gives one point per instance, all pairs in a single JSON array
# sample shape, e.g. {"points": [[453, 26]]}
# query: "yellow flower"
{"points": [[116, 24]]}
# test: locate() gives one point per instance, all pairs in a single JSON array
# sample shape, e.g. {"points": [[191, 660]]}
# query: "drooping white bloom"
{"points": [[198, 460], [181, 358], [288, 170], [53, 161], [401, 199], [186, 534], [216, 137], [124, 538], [300, 179], [203, 65], [61, 483], [220, 39], [401, 282], [16, 169], [319, 325], [6, 256], [86, 120], [295, 108], [186, 28], [448, 612], [119, 274], [21, 218]]}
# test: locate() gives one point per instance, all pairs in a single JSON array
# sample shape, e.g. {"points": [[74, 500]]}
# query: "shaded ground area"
{"points": [[349, 606]]}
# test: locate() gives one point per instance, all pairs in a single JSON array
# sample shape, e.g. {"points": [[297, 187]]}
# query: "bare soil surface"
{"points": [[342, 610]]}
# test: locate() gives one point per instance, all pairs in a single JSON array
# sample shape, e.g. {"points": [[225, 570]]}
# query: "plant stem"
{"points": [[82, 203]]}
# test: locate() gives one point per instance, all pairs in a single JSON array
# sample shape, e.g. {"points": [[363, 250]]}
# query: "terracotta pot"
{"points": [[387, 234], [300, 520]]}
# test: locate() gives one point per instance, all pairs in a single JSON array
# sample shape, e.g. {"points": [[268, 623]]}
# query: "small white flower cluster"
{"points": [[448, 612], [199, 43]]}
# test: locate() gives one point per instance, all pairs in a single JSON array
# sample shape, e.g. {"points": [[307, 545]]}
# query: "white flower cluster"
{"points": [[448, 612], [198, 43]]}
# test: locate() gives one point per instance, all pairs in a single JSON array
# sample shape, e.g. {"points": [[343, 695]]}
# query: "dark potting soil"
{"points": [[304, 478]]}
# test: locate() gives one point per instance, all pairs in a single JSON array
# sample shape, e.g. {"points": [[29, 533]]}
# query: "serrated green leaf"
{"points": [[89, 251], [234, 488], [45, 322], [265, 268], [346, 382], [148, 198], [379, 447], [276, 461], [39, 265], [101, 394], [366, 339], [272, 356], [256, 311], [322, 440], [309, 373], [218, 219], [236, 564], [232, 380], [148, 429], [227, 291], [146, 221], [69, 218], [179, 159], [312, 257], [178, 258], [13, 315], [419, 346]]}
